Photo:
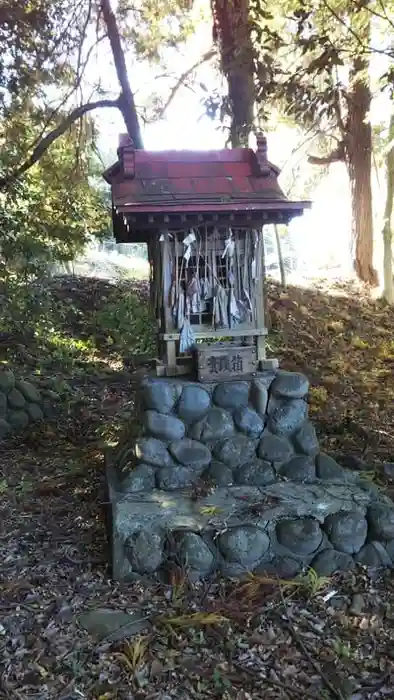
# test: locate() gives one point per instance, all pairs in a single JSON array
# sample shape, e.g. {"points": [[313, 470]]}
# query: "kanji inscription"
{"points": [[225, 363], [218, 362]]}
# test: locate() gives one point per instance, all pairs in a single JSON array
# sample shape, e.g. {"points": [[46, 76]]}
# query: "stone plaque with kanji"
{"points": [[218, 362]]}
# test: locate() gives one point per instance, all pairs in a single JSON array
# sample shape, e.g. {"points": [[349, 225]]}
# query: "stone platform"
{"points": [[228, 478]]}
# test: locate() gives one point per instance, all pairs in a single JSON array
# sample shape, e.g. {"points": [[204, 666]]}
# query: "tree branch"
{"points": [[47, 141], [181, 80], [126, 100], [337, 155]]}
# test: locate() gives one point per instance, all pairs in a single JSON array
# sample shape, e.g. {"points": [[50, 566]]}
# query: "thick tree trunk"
{"points": [[232, 33], [359, 164], [388, 288], [126, 100]]}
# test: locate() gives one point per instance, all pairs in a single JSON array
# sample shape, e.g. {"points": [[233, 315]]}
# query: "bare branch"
{"points": [[336, 156], [47, 141], [181, 80], [365, 47]]}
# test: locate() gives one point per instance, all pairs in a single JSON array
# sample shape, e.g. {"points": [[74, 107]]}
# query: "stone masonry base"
{"points": [[229, 479]]}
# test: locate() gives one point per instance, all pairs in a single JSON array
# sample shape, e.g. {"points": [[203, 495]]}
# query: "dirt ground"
{"points": [[261, 638]]}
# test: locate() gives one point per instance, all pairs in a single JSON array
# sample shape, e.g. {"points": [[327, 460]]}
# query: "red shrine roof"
{"points": [[195, 182]]}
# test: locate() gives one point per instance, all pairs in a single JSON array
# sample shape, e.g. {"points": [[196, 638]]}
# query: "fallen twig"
{"points": [[334, 691], [291, 689]]}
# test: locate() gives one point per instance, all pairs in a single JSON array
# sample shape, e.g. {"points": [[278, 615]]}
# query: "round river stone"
{"points": [[140, 479], [219, 474], [330, 561], [259, 396], [235, 451], [163, 426], [248, 421], [285, 567], [195, 553], [256, 473], [28, 390], [381, 521], [328, 469], [153, 451], [144, 550], [274, 449], [160, 395], [7, 380], [5, 428], [305, 440], [193, 404], [346, 531], [286, 416], [34, 412], [16, 399], [300, 536], [244, 545], [18, 420], [3, 405], [177, 477], [231, 394], [190, 453], [290, 385], [374, 555], [217, 425], [301, 469]]}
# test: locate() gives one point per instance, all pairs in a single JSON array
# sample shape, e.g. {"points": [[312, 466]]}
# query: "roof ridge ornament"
{"points": [[126, 155], [266, 168]]}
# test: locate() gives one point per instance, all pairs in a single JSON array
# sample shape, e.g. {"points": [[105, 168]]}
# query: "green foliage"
{"points": [[154, 26], [45, 217], [127, 324]]}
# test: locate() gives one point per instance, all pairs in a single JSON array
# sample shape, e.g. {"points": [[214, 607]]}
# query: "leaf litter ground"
{"points": [[311, 638]]}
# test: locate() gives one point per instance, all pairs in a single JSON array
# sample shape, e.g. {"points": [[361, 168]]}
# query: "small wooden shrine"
{"points": [[202, 215]]}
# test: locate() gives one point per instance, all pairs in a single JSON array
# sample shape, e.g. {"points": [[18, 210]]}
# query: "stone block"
{"points": [[142, 478], [219, 473], [248, 421], [162, 426], [7, 381], [28, 391], [153, 451], [299, 469], [160, 395], [301, 536], [224, 497], [256, 473], [274, 449], [259, 396], [244, 545], [231, 395], [346, 531], [16, 400], [286, 416], [330, 561], [217, 425], [190, 453], [381, 521], [235, 451], [194, 403], [305, 440], [290, 385]]}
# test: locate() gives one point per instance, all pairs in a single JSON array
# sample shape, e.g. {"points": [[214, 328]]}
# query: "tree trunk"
{"points": [[126, 100], [232, 33], [358, 157], [388, 288]]}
